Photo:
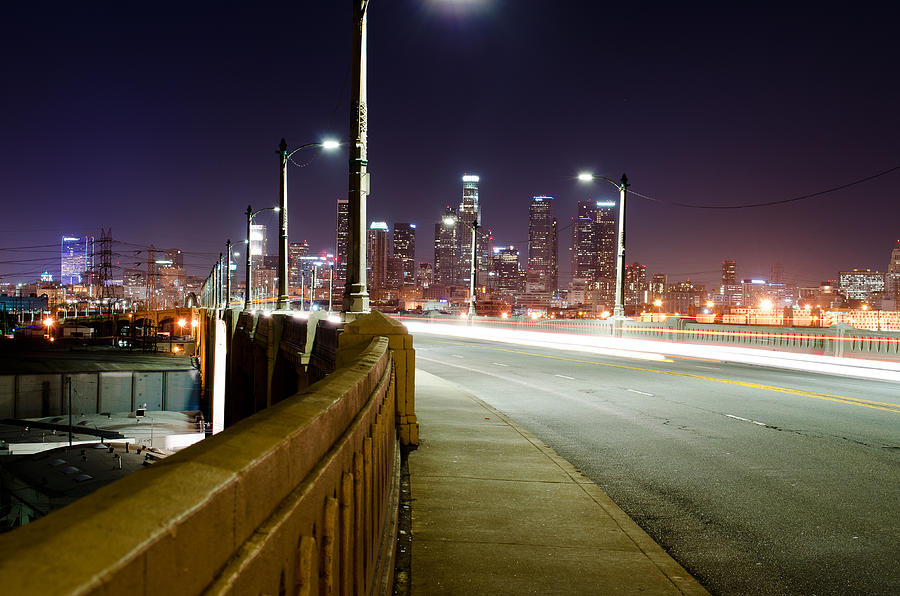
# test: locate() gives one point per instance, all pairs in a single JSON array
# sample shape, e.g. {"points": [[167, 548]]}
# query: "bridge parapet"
{"points": [[296, 498]]}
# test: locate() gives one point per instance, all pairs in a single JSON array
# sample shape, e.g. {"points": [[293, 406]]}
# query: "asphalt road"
{"points": [[757, 480]]}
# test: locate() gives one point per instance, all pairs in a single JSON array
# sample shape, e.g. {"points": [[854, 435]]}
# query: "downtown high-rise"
{"points": [[469, 214], [446, 249], [76, 258], [543, 265], [342, 246], [377, 255], [405, 253]]}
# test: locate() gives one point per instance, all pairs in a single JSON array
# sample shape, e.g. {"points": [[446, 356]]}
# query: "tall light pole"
{"points": [[228, 274], [284, 301], [474, 226], [619, 308], [356, 296], [248, 294]]}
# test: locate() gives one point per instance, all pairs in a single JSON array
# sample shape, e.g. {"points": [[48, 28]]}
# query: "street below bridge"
{"points": [[757, 480]]}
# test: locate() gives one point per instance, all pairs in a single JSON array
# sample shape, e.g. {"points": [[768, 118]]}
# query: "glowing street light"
{"points": [[766, 305], [619, 308], [285, 156], [250, 215]]}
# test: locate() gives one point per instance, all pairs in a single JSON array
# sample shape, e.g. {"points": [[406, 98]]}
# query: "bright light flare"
{"points": [[766, 305], [559, 341], [330, 144], [48, 322], [648, 349], [504, 315], [334, 319], [585, 176], [182, 323]]}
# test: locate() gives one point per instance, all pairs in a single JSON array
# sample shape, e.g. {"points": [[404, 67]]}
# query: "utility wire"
{"points": [[770, 203]]}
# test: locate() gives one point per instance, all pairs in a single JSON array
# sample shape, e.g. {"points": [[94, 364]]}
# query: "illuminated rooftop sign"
{"points": [[378, 225], [606, 203], [470, 178]]}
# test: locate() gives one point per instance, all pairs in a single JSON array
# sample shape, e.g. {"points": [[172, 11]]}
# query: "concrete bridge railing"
{"points": [[297, 498]]}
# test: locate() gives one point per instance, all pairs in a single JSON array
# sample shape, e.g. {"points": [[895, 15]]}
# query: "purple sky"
{"points": [[161, 122]]}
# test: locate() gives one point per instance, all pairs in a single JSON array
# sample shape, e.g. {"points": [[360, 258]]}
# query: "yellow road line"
{"points": [[853, 401]]}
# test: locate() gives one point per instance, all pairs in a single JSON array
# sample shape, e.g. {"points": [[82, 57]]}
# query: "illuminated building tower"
{"points": [[469, 211], [606, 251], [635, 285], [658, 286], [585, 245], [405, 252], [506, 269], [258, 241], [176, 257], [76, 258], [296, 252], [860, 284], [892, 280], [377, 255], [424, 275], [729, 273], [542, 243], [446, 249], [732, 291], [342, 247]]}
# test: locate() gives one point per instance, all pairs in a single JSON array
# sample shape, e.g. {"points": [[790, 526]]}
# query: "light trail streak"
{"points": [[656, 350], [851, 401]]}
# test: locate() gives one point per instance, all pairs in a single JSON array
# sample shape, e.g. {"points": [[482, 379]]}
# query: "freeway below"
{"points": [[758, 480]]}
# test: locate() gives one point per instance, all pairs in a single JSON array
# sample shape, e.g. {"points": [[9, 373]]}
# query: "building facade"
{"points": [[76, 258], [542, 243]]}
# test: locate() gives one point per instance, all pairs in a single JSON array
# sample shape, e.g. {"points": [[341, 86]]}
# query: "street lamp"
{"points": [[619, 309], [658, 304], [248, 299], [356, 296], [285, 156]]}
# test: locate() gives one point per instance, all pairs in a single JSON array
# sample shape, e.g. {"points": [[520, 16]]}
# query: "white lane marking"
{"points": [[756, 422], [456, 355], [498, 364], [708, 367], [641, 392], [565, 377]]}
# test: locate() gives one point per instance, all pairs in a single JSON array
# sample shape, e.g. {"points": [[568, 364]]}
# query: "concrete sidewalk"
{"points": [[495, 511]]}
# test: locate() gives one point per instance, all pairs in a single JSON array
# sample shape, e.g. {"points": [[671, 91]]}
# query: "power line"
{"points": [[771, 203]]}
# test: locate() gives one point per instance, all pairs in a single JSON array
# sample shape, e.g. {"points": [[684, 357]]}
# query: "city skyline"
{"points": [[742, 111]]}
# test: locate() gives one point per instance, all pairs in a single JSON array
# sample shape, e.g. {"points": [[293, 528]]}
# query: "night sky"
{"points": [[161, 122]]}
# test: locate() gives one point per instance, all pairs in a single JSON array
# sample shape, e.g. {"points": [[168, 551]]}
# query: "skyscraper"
{"points": [[76, 258], [542, 242], [635, 285], [258, 241], [892, 278], [469, 212], [342, 247], [585, 242], [606, 252], [506, 269], [446, 249], [405, 252], [729, 273], [296, 252], [377, 255]]}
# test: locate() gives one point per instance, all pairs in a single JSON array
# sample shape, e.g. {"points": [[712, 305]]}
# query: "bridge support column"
{"points": [[357, 335]]}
